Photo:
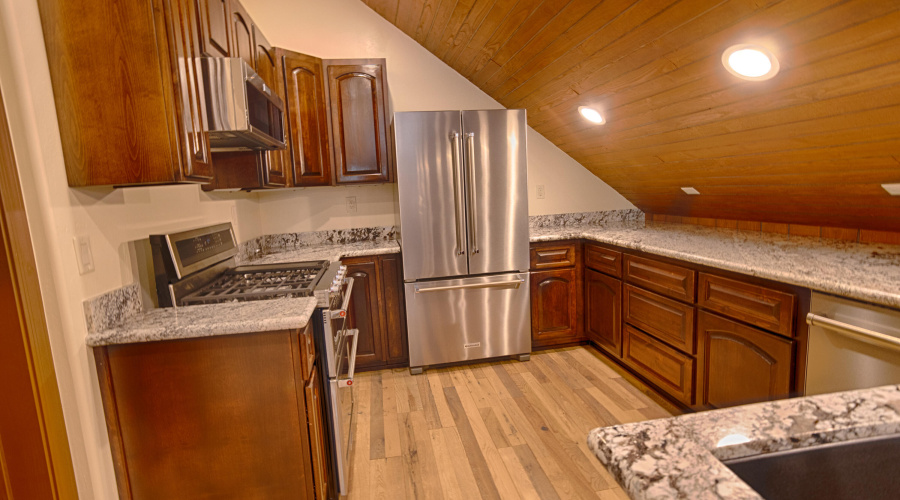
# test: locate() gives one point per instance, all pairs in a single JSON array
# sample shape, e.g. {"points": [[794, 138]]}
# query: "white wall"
{"points": [[111, 218], [418, 81]]}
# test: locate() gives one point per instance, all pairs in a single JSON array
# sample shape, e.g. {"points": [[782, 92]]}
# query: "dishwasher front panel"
{"points": [[841, 355]]}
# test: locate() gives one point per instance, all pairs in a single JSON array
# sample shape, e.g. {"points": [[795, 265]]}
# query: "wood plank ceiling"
{"points": [[812, 145]]}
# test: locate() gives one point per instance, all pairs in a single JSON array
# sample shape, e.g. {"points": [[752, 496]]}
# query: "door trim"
{"points": [[34, 325]]}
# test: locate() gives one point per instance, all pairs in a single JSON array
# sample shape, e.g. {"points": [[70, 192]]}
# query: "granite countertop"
{"points": [[867, 272], [679, 457], [220, 319], [170, 323]]}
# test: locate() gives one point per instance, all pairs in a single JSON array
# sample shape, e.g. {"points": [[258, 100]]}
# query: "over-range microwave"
{"points": [[243, 112]]}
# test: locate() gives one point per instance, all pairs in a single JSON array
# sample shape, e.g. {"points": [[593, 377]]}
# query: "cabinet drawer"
{"points": [[552, 256], [603, 259], [307, 350], [754, 304], [666, 319], [668, 279], [670, 370]]}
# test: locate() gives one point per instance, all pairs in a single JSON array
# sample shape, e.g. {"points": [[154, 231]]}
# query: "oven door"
{"points": [[342, 405]]}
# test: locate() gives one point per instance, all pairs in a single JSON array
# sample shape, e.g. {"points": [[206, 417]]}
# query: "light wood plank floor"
{"points": [[504, 430]]}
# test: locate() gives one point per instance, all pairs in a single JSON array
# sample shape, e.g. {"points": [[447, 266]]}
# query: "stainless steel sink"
{"points": [[859, 469]]}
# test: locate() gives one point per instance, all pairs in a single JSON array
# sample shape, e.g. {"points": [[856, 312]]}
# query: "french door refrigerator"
{"points": [[462, 184]]}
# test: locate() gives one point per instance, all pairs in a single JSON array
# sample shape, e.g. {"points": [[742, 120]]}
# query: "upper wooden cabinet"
{"points": [[145, 125], [273, 164], [358, 97], [215, 31], [242, 44], [307, 110]]}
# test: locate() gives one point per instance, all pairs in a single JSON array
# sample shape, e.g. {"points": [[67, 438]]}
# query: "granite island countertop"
{"points": [[866, 272], [680, 457]]}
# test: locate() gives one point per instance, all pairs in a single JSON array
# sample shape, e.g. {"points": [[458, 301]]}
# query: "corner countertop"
{"points": [[867, 272], [238, 317], [679, 457]]}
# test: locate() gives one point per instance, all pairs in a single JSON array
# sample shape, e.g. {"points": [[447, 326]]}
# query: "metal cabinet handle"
{"points": [[470, 161], [498, 284], [457, 188], [342, 312], [854, 332]]}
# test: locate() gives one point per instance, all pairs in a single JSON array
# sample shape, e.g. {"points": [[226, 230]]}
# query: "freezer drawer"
{"points": [[467, 319]]}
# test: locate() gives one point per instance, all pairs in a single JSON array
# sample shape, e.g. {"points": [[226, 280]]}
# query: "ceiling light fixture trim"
{"points": [[591, 115], [750, 62]]}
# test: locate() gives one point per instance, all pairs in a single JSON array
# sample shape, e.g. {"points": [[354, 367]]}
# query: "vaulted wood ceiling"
{"points": [[812, 145]]}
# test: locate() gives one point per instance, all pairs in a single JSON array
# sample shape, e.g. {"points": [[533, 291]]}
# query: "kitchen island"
{"points": [[681, 457]]}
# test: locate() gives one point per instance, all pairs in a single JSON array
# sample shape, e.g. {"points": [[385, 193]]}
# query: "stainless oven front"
{"points": [[339, 366]]}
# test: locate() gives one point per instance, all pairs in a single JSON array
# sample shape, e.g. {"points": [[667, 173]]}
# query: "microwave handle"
{"points": [[351, 369]]}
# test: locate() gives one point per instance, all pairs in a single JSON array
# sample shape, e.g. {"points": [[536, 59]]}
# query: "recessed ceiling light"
{"points": [[892, 189], [750, 62], [591, 115], [690, 190]]}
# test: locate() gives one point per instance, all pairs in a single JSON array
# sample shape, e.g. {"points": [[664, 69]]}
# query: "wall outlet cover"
{"points": [[83, 254], [351, 204], [540, 191]]}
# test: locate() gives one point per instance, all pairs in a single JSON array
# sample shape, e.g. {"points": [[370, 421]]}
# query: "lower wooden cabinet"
{"points": [[740, 364], [554, 307], [215, 417], [602, 311], [316, 423], [670, 370], [377, 311]]}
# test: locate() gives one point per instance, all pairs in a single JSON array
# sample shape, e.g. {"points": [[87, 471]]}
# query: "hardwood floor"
{"points": [[505, 430]]}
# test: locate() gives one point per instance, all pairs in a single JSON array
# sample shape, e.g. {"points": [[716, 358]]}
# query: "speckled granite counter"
{"points": [[328, 251], [680, 457], [207, 320], [867, 272]]}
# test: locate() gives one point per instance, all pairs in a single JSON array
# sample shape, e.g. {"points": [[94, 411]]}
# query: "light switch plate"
{"points": [[690, 190], [540, 192], [83, 254], [892, 189]]}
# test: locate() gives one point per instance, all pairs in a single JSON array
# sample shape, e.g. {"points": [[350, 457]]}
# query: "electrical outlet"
{"points": [[83, 254], [541, 194], [351, 204]]}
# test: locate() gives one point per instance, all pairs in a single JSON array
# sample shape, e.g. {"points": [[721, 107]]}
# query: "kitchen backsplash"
{"points": [[113, 308], [587, 218], [270, 243]]}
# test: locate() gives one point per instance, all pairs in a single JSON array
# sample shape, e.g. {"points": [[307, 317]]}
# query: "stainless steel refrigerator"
{"points": [[462, 183]]}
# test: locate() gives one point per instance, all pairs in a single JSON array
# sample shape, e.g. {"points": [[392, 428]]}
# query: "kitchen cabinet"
{"points": [[307, 110], [668, 369], [377, 311], [556, 294], [146, 125], [602, 311], [666, 319], [740, 364], [360, 120], [242, 44], [215, 31], [229, 416]]}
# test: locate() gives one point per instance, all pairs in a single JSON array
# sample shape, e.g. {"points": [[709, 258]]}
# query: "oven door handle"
{"points": [[351, 369], [342, 312]]}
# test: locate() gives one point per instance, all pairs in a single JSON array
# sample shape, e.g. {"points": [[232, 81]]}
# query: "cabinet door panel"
{"points": [[357, 95], [308, 119], [274, 163], [316, 424], [553, 307], [394, 310], [242, 34], [196, 164], [667, 320], [668, 369], [215, 18], [740, 364], [602, 315], [552, 256], [365, 312]]}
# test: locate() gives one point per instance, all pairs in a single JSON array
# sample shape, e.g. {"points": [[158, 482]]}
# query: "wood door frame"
{"points": [[33, 322]]}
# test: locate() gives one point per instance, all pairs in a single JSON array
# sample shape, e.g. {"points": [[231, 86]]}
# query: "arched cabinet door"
{"points": [[357, 94], [602, 311], [553, 306], [242, 34], [273, 164], [739, 364], [310, 162]]}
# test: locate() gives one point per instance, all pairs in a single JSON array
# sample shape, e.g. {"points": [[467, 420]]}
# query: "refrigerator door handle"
{"points": [[498, 284], [457, 195], [470, 162]]}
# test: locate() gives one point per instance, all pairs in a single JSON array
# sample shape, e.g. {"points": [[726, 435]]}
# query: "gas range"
{"points": [[198, 267]]}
